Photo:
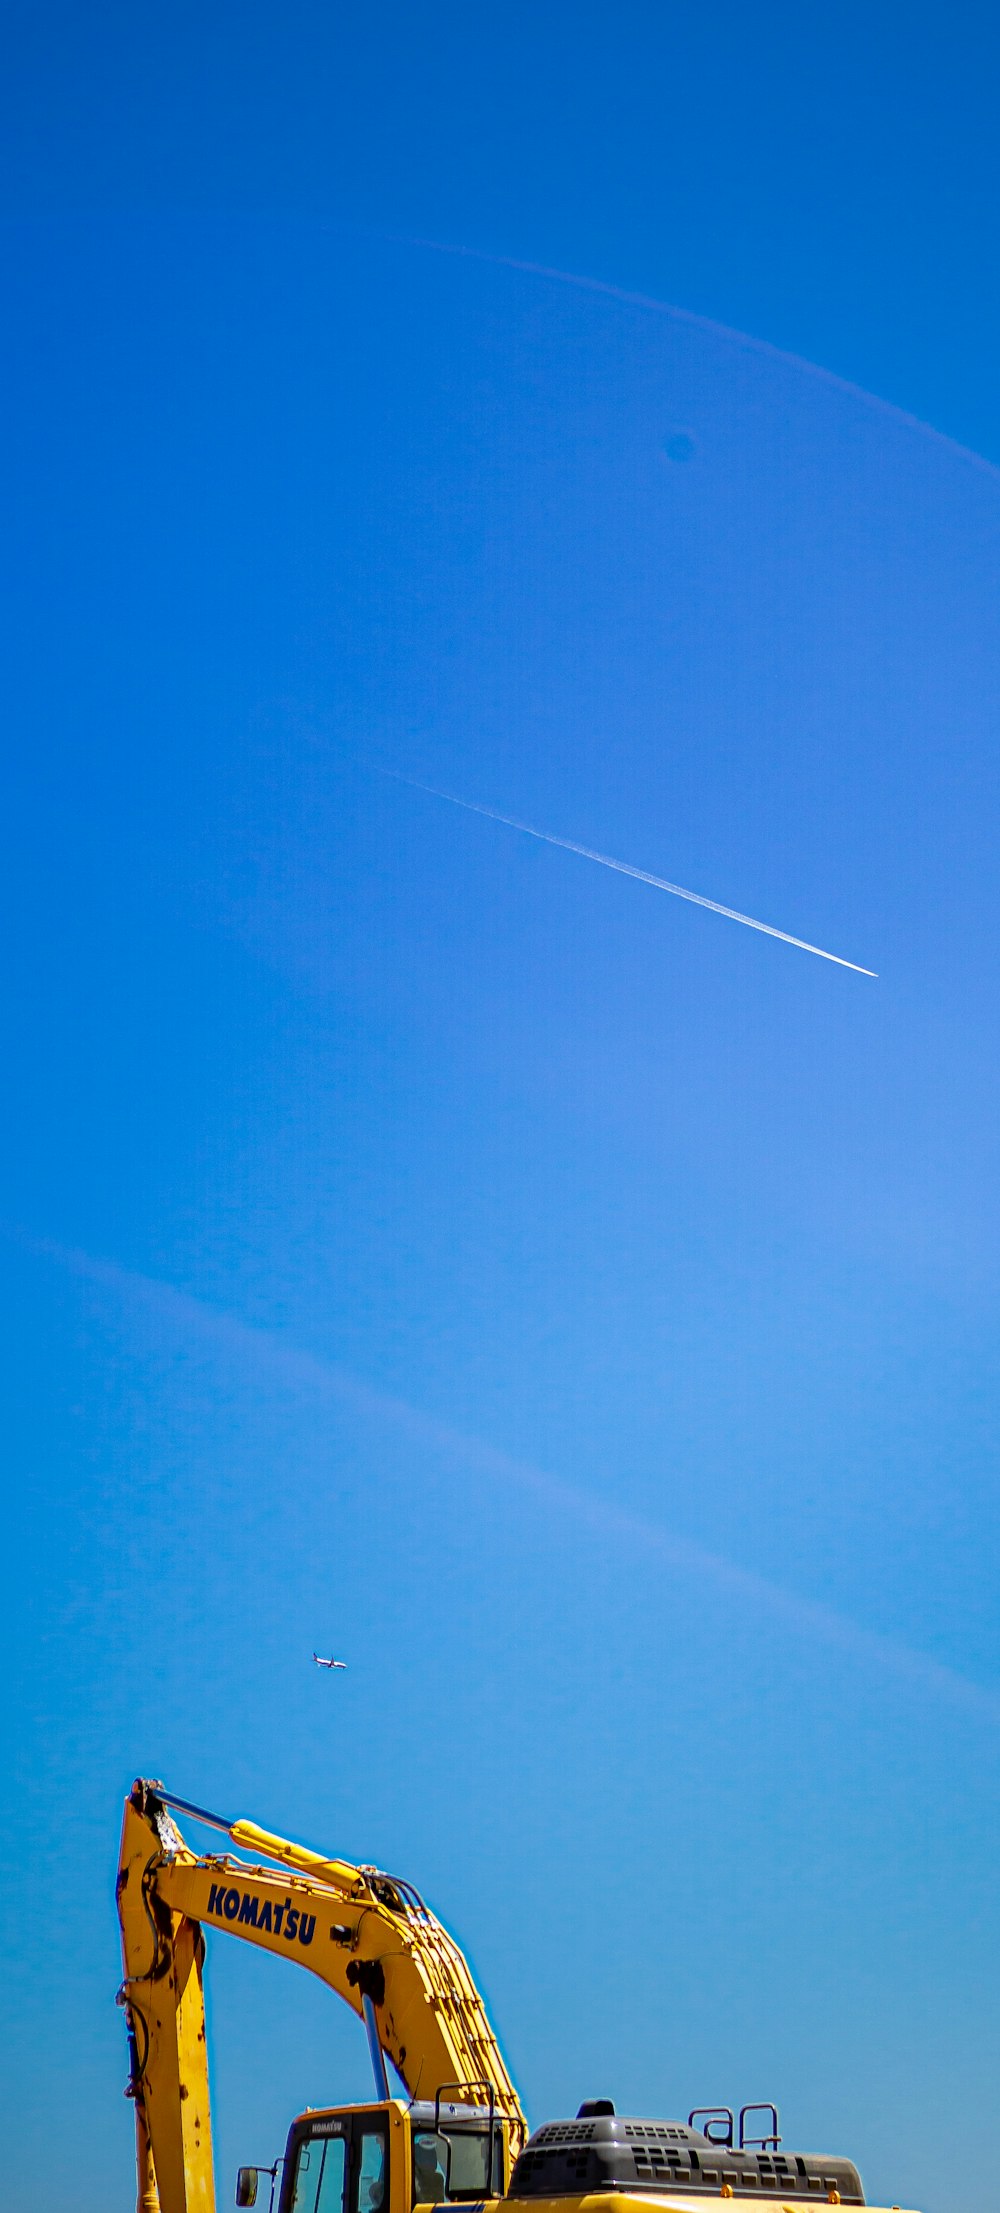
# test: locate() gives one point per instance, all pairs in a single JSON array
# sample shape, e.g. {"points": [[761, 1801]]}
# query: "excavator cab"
{"points": [[387, 2158]]}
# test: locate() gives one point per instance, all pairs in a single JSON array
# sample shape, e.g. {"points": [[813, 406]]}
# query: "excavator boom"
{"points": [[459, 2142], [367, 1935]]}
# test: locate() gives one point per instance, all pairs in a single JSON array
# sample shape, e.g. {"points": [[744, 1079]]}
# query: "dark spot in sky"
{"points": [[680, 446]]}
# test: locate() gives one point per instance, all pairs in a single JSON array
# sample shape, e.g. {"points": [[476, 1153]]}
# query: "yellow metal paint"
{"points": [[638, 2201], [162, 1951], [323, 1914]]}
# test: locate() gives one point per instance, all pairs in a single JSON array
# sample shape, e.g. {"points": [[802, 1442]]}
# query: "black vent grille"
{"points": [[660, 2132]]}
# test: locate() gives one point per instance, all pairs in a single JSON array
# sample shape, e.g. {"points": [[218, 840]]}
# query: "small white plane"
{"points": [[328, 1663]]}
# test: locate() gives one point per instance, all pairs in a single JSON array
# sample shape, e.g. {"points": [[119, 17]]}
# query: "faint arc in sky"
{"points": [[625, 868], [707, 323]]}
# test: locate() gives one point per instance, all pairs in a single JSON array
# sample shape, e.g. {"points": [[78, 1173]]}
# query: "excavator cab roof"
{"points": [[422, 2113]]}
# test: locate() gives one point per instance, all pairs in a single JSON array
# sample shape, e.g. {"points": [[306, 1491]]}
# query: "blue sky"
{"points": [[420, 1242]]}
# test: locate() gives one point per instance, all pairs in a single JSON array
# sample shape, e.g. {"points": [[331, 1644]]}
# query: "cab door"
{"points": [[320, 2171], [338, 2164], [368, 2179]]}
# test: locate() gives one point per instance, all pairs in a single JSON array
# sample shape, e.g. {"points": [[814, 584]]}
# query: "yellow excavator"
{"points": [[459, 2136]]}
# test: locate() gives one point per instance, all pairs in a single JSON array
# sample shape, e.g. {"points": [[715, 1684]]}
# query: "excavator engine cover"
{"points": [[605, 2152]]}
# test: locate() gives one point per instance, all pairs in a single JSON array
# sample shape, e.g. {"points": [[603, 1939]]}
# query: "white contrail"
{"points": [[625, 868]]}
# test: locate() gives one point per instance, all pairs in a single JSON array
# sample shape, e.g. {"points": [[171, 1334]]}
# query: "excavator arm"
{"points": [[367, 1935]]}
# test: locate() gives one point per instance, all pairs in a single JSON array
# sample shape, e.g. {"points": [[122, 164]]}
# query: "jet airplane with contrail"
{"points": [[625, 868]]}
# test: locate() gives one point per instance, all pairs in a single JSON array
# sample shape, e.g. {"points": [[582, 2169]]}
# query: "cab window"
{"points": [[371, 2173], [454, 2164], [429, 2169], [320, 2169]]}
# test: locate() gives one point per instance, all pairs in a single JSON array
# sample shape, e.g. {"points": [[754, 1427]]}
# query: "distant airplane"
{"points": [[328, 1663]]}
